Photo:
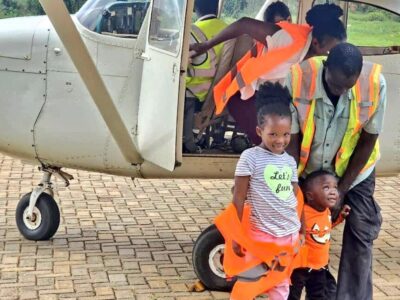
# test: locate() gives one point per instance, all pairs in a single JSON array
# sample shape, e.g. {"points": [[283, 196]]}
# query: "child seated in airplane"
{"points": [[320, 194], [277, 12]]}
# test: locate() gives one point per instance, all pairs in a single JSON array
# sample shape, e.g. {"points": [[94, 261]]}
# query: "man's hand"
{"points": [[237, 249], [345, 211], [335, 211], [341, 216], [339, 205], [197, 49]]}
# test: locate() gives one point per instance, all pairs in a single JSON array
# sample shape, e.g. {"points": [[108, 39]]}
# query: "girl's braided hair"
{"points": [[272, 99]]}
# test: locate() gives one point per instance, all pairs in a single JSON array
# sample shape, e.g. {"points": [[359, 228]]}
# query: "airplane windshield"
{"points": [[114, 17]]}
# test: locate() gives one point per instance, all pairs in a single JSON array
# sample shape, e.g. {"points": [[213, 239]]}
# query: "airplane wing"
{"points": [[69, 35]]}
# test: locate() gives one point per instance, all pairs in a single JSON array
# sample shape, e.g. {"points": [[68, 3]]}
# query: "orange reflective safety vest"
{"points": [[280, 260], [364, 104], [255, 63]]}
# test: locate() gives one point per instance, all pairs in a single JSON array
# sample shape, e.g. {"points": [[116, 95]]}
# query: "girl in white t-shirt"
{"points": [[266, 178]]}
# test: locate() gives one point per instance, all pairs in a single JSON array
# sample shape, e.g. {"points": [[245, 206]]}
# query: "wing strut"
{"points": [[69, 35]]}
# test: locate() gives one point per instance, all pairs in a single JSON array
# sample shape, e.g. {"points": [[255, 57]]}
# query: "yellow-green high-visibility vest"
{"points": [[202, 69], [365, 102]]}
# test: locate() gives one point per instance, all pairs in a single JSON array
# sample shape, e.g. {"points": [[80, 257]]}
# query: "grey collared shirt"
{"points": [[331, 124]]}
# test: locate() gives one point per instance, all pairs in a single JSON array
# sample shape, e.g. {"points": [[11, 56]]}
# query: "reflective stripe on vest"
{"points": [[366, 93], [203, 68], [233, 74], [304, 83], [366, 99], [208, 68], [251, 67]]}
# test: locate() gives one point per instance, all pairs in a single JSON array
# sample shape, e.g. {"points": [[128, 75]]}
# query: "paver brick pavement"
{"points": [[124, 239]]}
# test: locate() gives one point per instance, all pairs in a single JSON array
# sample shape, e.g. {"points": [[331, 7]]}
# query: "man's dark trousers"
{"points": [[361, 229]]}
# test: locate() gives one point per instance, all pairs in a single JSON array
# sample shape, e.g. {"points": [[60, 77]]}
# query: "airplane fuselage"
{"points": [[47, 115]]}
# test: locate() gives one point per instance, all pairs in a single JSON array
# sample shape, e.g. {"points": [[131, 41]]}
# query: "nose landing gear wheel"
{"points": [[44, 221], [208, 254]]}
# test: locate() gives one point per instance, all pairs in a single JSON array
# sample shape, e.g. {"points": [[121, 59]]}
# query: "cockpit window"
{"points": [[166, 24], [121, 18]]}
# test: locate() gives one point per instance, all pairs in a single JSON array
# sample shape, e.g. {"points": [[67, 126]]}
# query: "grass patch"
{"points": [[373, 29]]}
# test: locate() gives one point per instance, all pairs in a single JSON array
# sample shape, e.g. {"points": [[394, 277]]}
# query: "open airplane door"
{"points": [[158, 104]]}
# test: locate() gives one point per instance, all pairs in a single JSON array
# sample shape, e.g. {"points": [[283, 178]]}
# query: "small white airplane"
{"points": [[103, 90]]}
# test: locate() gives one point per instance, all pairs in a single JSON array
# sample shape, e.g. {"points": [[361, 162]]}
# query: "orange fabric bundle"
{"points": [[254, 65], [275, 256]]}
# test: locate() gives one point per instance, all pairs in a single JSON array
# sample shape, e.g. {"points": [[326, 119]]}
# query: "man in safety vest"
{"points": [[338, 115], [202, 68]]}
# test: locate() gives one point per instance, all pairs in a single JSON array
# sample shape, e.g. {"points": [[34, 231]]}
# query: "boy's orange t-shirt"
{"points": [[318, 236]]}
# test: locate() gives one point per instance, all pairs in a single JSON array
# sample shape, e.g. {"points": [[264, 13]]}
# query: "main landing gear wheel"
{"points": [[208, 254], [45, 219], [37, 214]]}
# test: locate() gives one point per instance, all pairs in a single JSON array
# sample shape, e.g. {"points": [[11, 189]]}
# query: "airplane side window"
{"points": [[123, 19], [234, 10], [293, 8], [91, 11], [113, 17], [374, 30], [380, 36], [166, 25]]}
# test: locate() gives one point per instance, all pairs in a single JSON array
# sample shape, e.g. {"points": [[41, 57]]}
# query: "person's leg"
{"points": [[279, 292], [299, 278], [361, 229], [188, 121], [331, 287], [245, 115], [315, 285]]}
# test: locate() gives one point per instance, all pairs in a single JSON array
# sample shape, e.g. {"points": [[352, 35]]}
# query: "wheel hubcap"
{"points": [[215, 260], [34, 222]]}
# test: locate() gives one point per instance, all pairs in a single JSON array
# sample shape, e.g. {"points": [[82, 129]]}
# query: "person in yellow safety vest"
{"points": [[201, 70], [338, 110], [278, 47]]}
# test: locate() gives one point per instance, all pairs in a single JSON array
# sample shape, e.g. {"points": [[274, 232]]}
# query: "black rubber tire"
{"points": [[50, 214], [205, 243]]}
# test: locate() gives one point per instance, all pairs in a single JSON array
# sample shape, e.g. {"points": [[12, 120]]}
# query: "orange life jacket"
{"points": [[281, 260], [255, 63]]}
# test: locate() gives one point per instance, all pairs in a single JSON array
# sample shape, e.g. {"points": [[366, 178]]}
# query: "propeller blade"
{"points": [[69, 35]]}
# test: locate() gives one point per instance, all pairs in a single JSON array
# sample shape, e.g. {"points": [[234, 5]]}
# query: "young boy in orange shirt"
{"points": [[320, 194]]}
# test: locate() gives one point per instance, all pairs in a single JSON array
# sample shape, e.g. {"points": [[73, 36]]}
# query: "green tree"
{"points": [[234, 8], [34, 7], [15, 8], [10, 8]]}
